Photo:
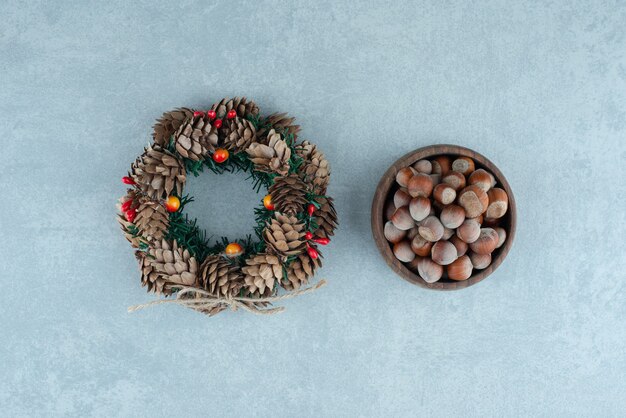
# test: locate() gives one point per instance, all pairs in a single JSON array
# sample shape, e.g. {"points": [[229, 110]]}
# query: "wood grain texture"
{"points": [[387, 185]]}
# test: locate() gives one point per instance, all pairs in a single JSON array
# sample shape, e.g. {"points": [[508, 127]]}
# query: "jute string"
{"points": [[204, 300]]}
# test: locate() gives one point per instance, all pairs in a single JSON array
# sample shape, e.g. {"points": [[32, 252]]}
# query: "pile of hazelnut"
{"points": [[444, 218]]}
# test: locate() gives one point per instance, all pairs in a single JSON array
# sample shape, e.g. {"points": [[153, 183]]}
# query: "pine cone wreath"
{"points": [[152, 220], [242, 106], [158, 173], [220, 277], [173, 251], [284, 235], [168, 266], [195, 138], [315, 170], [288, 194], [239, 134], [169, 123], [261, 272], [300, 270], [273, 157], [325, 217]]}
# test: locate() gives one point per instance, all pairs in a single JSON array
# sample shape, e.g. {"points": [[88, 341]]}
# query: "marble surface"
{"points": [[538, 87]]}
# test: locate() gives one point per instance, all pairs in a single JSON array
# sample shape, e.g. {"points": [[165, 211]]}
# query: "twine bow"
{"points": [[203, 300]]}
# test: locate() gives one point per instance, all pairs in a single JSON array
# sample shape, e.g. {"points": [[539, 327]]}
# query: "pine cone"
{"points": [[149, 276], [158, 172], [288, 194], [220, 277], [242, 106], [169, 123], [195, 138], [152, 220], [299, 271], [260, 274], [326, 218], [239, 134], [273, 157], [282, 123], [128, 228], [167, 266], [315, 170], [284, 235]]}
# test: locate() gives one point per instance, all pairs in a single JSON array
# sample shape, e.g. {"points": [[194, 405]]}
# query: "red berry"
{"points": [[312, 253], [198, 113], [308, 235], [322, 241], [220, 155], [218, 123], [231, 114], [211, 114], [128, 180], [310, 209], [126, 205], [130, 215]]}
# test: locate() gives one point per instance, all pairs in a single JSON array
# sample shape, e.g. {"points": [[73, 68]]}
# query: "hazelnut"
{"points": [[443, 253], [482, 179], [455, 179], [431, 229], [393, 234], [436, 178], [452, 216], [429, 270], [402, 251], [469, 231], [404, 175], [460, 269], [463, 165], [480, 218], [501, 236], [480, 261], [498, 203], [412, 265], [401, 219], [419, 208], [474, 200], [447, 233], [461, 247], [420, 246], [389, 210], [444, 193], [420, 185], [486, 242], [441, 165], [401, 198], [423, 166], [411, 233]]}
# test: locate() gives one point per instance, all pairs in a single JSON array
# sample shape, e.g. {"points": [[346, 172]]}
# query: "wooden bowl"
{"points": [[387, 186]]}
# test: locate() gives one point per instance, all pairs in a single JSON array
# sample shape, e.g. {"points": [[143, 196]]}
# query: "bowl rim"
{"points": [[380, 197]]}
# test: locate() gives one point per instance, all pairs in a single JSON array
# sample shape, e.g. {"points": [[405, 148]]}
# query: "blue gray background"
{"points": [[538, 87]]}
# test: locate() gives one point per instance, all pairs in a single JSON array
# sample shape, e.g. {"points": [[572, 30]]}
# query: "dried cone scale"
{"points": [[158, 173], [285, 235], [299, 271], [167, 266], [288, 194], [169, 123], [273, 157], [152, 220], [261, 272], [241, 105], [240, 133], [220, 277], [325, 217], [315, 170], [195, 138]]}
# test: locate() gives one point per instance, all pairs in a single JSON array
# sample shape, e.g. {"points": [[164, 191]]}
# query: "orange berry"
{"points": [[172, 204], [220, 155], [267, 202], [233, 250]]}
